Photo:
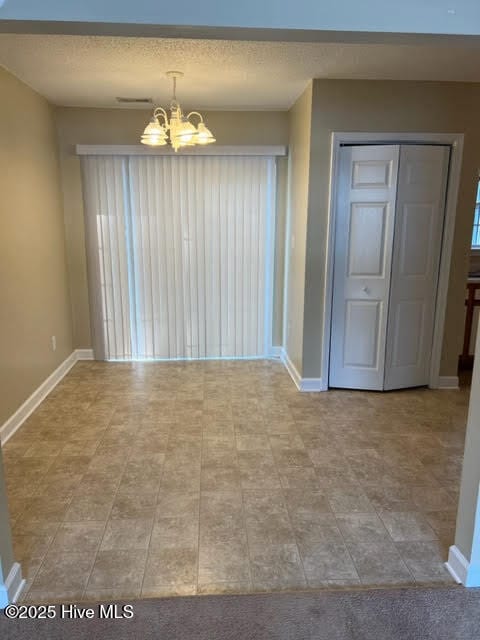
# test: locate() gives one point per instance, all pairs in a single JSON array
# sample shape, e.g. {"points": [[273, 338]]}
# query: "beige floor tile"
{"points": [[125, 535], [52, 595], [269, 529], [443, 523], [289, 440], [105, 595], [25, 527], [275, 566], [425, 559], [361, 527], [181, 531], [223, 562], [379, 563], [407, 526], [343, 500], [258, 502], [327, 561], [64, 570], [389, 498], [129, 505], [47, 507], [312, 528], [306, 471], [177, 503], [89, 507], [79, 537], [43, 449], [30, 550], [287, 458], [70, 464], [432, 499], [118, 569], [223, 588], [169, 590], [252, 442], [218, 431], [300, 501], [216, 478], [298, 477], [331, 476], [171, 566], [80, 448]]}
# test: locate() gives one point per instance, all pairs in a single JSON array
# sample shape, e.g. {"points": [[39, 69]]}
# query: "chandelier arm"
{"points": [[161, 111], [195, 113]]}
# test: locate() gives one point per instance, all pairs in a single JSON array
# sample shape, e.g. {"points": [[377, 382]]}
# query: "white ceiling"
{"points": [[219, 74]]}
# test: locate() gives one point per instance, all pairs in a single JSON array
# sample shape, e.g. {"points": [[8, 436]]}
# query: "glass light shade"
{"points": [[204, 135], [154, 134], [186, 132]]}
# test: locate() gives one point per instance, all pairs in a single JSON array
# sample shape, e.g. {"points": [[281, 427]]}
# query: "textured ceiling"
{"points": [[219, 74]]}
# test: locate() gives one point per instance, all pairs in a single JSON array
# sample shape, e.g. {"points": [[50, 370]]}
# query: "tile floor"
{"points": [[154, 479]]}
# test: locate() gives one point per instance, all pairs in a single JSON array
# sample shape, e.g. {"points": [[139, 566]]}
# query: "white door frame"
{"points": [[455, 141]]}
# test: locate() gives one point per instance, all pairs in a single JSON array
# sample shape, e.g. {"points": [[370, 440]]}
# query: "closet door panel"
{"points": [[422, 184], [363, 248]]}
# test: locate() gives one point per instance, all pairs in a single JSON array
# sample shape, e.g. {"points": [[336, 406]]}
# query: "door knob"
{"points": [[366, 290]]}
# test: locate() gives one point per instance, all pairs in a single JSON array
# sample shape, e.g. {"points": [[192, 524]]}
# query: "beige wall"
{"points": [[298, 199], [469, 499], [35, 302], [123, 126], [375, 106]]}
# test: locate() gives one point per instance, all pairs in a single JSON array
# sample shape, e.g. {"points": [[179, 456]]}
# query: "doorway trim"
{"points": [[455, 141]]}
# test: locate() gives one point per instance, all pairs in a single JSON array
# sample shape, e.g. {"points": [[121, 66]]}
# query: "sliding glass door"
{"points": [[179, 253]]}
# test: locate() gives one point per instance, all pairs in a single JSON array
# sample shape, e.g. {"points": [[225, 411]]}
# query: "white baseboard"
{"points": [[311, 385], [31, 403], [448, 382], [457, 565], [84, 354], [302, 384], [290, 367], [275, 352], [13, 587]]}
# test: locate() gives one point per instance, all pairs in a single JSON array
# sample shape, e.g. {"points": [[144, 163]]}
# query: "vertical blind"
{"points": [[179, 255]]}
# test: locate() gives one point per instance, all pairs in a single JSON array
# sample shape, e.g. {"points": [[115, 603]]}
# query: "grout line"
{"points": [[200, 498], [110, 510], [307, 583], [244, 514], [155, 515]]}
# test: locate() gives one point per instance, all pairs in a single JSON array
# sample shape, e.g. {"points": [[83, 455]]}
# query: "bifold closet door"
{"points": [[422, 185], [179, 255], [367, 188], [389, 227]]}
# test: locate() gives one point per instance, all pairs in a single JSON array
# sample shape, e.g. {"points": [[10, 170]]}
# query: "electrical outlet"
{"points": [[54, 343]]}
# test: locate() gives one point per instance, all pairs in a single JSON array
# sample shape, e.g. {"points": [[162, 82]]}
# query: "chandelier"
{"points": [[178, 130]]}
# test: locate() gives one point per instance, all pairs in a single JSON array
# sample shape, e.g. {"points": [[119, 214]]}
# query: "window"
{"points": [[179, 255], [476, 222]]}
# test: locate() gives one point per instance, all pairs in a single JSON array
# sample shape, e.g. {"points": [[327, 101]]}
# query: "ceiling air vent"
{"points": [[123, 100]]}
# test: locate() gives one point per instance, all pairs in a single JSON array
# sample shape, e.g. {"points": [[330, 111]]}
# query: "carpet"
{"points": [[385, 614]]}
